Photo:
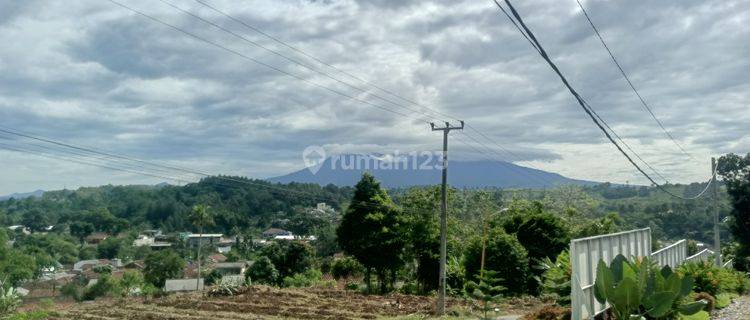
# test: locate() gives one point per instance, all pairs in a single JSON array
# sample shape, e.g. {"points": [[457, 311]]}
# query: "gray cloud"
{"points": [[95, 74]]}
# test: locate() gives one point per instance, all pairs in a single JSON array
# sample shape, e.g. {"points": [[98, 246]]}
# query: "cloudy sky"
{"points": [[95, 74]]}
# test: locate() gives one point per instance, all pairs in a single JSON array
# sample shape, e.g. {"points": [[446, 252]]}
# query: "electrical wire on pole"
{"points": [[598, 121], [444, 214], [424, 110], [630, 83]]}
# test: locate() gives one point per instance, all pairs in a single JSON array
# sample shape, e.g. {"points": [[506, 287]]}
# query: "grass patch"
{"points": [[702, 315], [724, 299]]}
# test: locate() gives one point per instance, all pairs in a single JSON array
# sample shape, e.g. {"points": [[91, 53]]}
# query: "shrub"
{"points": [[556, 278], [713, 280], [9, 299], [549, 313], [636, 290], [710, 300], [72, 290], [346, 267], [724, 299], [103, 287], [103, 269], [306, 279], [213, 277], [262, 271], [503, 254], [351, 286]]}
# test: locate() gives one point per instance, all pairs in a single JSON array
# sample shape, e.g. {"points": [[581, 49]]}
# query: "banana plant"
{"points": [[639, 290]]}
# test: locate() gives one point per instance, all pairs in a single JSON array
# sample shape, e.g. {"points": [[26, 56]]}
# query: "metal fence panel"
{"points": [[585, 253], [729, 264], [704, 255], [672, 255]]}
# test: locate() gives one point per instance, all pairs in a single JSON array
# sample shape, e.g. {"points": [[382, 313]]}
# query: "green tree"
{"points": [[736, 173], [372, 231], [162, 265], [17, 267], [131, 280], [81, 230], [423, 232], [487, 291], [290, 257], [200, 217], [541, 233], [262, 271], [345, 267], [109, 248], [36, 220], [504, 254]]}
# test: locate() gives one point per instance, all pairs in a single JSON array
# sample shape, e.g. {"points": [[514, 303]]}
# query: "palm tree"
{"points": [[200, 217]]}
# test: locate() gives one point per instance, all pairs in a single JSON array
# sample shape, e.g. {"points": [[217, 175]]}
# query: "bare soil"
{"points": [[260, 302]]}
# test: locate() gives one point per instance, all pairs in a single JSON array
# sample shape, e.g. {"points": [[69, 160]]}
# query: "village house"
{"points": [[231, 268], [20, 228], [211, 239], [97, 237], [182, 285], [143, 240]]}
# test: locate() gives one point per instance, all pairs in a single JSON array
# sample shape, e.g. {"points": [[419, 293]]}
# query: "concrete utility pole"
{"points": [[443, 214], [717, 236]]}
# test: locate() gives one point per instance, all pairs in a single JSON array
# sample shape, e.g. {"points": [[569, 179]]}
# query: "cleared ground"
{"points": [[262, 303]]}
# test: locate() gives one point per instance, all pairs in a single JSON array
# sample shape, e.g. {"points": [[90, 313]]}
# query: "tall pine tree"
{"points": [[372, 232]]}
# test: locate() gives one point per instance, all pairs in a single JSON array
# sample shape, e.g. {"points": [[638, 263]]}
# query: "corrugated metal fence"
{"points": [[584, 256], [704, 255], [672, 255]]}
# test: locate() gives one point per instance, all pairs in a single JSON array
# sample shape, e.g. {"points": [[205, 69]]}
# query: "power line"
{"points": [[318, 60], [305, 54], [297, 62], [630, 83], [244, 56], [584, 105], [279, 54]]}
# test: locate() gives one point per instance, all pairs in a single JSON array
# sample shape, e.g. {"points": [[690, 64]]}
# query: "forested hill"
{"points": [[241, 203], [246, 205]]}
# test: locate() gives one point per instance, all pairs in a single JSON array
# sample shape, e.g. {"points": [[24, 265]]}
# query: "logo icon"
{"points": [[314, 157]]}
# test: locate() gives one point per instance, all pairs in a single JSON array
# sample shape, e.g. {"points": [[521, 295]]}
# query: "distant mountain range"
{"points": [[37, 193], [418, 171]]}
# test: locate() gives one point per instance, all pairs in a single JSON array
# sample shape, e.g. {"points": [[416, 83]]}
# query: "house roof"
{"points": [[231, 265], [206, 235], [218, 257], [275, 231], [160, 244], [83, 263]]}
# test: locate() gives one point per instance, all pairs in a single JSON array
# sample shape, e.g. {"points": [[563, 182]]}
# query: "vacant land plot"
{"points": [[262, 303]]}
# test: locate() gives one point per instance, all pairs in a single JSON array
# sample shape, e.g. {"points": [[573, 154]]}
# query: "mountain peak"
{"points": [[396, 171]]}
